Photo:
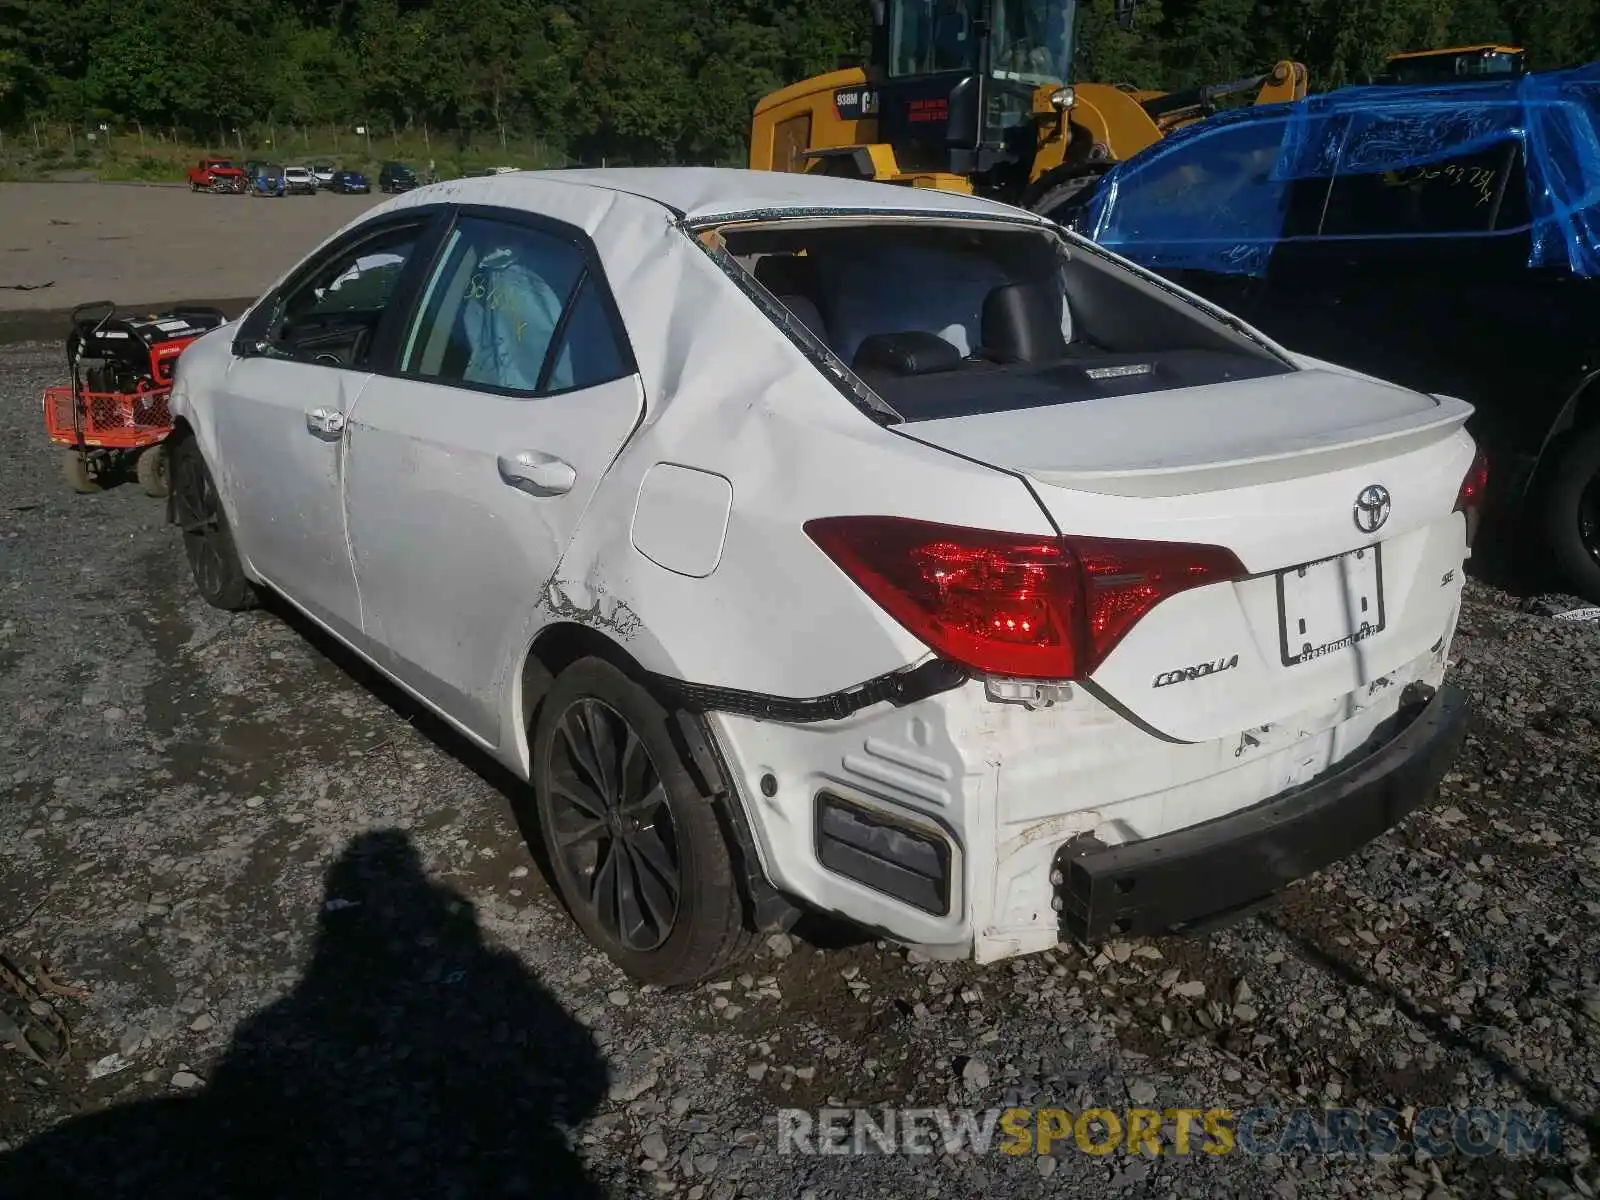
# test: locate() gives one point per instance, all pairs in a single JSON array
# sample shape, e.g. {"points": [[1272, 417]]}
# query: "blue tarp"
{"points": [[1221, 194]]}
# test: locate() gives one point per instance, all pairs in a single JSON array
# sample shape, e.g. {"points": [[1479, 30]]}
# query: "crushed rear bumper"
{"points": [[1203, 874]]}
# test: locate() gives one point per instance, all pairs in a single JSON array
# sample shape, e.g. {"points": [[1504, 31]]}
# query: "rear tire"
{"points": [[80, 477], [152, 470], [636, 850], [1572, 514], [207, 540]]}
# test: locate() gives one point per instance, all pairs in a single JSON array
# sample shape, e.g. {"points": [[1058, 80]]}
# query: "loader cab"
{"points": [[958, 77], [1462, 64]]}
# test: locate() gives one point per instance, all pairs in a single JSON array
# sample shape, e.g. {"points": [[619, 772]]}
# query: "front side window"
{"points": [[513, 309], [331, 316], [927, 37]]}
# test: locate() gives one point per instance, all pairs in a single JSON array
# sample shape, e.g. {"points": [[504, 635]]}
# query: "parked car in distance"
{"points": [[396, 177], [268, 180], [216, 175], [1436, 236], [323, 172], [994, 592], [300, 181], [348, 182]]}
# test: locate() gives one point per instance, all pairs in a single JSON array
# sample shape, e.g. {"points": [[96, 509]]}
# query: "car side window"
{"points": [[1454, 195], [589, 354], [512, 308], [331, 316]]}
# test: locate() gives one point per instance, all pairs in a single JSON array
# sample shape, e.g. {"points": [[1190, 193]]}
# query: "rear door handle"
{"points": [[537, 473], [325, 423]]}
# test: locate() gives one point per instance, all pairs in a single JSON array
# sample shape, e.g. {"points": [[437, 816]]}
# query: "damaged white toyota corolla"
{"points": [[809, 542]]}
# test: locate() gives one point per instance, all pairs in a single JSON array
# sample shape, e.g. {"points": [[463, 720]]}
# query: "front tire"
{"points": [[151, 468], [1064, 194], [79, 473], [1572, 514], [636, 849], [207, 539]]}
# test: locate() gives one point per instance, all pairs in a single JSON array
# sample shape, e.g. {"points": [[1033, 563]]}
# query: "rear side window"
{"points": [[513, 309], [1461, 194]]}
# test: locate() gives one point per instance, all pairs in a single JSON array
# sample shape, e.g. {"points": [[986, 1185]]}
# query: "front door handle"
{"points": [[325, 423], [537, 473]]}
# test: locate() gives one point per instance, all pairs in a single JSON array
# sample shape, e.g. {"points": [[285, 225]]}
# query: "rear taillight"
{"points": [[1469, 500], [1034, 607]]}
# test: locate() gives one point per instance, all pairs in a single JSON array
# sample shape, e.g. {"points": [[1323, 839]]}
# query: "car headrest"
{"points": [[787, 274], [1022, 322], [806, 312], [911, 353]]}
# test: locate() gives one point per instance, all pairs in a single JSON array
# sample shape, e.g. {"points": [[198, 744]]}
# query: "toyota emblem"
{"points": [[1372, 508]]}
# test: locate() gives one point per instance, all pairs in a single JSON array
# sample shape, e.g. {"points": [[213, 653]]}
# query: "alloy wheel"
{"points": [[612, 826], [199, 516]]}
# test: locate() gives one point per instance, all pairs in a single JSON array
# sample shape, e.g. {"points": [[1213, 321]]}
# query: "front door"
{"points": [[470, 467], [283, 415]]}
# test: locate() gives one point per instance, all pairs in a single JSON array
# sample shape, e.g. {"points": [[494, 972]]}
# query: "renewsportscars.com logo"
{"points": [[1326, 1132]]}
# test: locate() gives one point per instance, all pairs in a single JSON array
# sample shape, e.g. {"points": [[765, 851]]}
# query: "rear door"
{"points": [[471, 463]]}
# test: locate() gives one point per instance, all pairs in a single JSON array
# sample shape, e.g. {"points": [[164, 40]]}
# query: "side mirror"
{"points": [[1125, 10]]}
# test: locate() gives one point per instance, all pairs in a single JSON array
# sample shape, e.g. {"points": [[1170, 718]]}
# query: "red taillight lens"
{"points": [[1469, 500], [1008, 604], [1124, 580]]}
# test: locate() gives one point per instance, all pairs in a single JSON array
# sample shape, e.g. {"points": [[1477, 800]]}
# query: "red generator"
{"points": [[115, 408]]}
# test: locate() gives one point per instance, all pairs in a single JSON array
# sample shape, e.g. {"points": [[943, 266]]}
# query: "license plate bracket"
{"points": [[1330, 604]]}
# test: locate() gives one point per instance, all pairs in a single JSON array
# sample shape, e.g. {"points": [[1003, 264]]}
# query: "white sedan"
{"points": [[808, 542]]}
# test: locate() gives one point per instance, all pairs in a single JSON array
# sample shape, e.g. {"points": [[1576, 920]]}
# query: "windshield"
{"points": [[930, 36], [1031, 40]]}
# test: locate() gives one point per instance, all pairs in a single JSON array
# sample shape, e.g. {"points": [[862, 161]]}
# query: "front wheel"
{"points": [[80, 473], [207, 539], [1572, 514], [151, 467], [637, 851], [1064, 195]]}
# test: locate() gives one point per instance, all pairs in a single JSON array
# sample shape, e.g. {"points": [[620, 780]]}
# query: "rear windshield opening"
{"points": [[948, 319]]}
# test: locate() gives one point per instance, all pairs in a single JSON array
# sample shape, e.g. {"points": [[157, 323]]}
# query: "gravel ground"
{"points": [[316, 958]]}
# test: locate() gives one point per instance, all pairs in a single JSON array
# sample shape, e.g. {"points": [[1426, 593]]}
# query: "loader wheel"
{"points": [[207, 539], [81, 477], [637, 851], [1064, 194], [1572, 514], [152, 469]]}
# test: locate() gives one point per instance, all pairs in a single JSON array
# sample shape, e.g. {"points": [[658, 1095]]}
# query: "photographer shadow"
{"points": [[412, 1059]]}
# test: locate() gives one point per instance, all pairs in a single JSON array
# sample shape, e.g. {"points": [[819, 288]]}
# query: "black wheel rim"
{"points": [[1589, 517], [199, 515], [611, 826]]}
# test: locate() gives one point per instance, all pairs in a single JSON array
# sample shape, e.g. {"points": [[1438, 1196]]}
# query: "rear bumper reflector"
{"points": [[896, 858], [1196, 876]]}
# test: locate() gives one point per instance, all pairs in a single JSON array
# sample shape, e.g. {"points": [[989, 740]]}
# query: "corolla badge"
{"points": [[1372, 508]]}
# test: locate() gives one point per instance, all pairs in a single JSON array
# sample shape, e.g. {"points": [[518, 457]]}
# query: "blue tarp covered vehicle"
{"points": [[1445, 237], [1220, 195]]}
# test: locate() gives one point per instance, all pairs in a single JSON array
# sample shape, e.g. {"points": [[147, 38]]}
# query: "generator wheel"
{"points": [[154, 472], [80, 476]]}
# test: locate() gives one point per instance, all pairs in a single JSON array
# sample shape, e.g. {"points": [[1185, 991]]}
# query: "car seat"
{"points": [[793, 280], [1025, 323]]}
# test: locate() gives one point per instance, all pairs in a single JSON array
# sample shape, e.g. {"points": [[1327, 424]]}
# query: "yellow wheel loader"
{"points": [[974, 96]]}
